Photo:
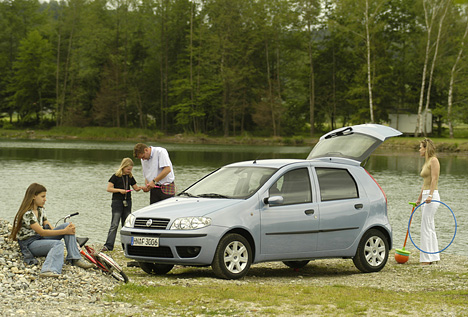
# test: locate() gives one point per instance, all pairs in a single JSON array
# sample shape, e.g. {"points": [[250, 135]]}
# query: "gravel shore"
{"points": [[76, 292], [81, 292]]}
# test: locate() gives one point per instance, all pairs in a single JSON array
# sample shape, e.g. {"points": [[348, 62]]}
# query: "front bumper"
{"points": [[184, 247]]}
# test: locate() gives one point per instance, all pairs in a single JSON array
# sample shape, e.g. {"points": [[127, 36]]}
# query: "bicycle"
{"points": [[101, 260]]}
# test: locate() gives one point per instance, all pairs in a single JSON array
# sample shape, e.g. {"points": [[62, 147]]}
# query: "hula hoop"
{"points": [[409, 224]]}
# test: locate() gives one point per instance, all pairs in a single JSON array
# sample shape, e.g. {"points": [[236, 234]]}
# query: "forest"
{"points": [[231, 67]]}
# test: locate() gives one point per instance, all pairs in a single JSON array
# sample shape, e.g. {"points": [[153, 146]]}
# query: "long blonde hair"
{"points": [[28, 204], [430, 148], [126, 162]]}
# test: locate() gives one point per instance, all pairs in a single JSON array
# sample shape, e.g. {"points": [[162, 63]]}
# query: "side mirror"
{"points": [[273, 200]]}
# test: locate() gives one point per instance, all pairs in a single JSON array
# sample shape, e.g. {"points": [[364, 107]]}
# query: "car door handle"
{"points": [[358, 206], [309, 212]]}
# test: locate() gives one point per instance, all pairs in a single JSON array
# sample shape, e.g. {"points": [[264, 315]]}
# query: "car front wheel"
{"points": [[372, 252], [155, 268], [233, 257]]}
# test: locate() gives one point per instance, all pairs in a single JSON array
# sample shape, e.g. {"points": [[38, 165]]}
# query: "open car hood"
{"points": [[355, 142]]}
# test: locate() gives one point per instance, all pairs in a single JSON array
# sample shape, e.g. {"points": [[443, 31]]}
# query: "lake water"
{"points": [[76, 174]]}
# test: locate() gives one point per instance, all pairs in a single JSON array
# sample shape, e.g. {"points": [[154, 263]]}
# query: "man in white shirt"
{"points": [[157, 170]]}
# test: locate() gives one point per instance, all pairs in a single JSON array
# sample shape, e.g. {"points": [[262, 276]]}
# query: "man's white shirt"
{"points": [[159, 159]]}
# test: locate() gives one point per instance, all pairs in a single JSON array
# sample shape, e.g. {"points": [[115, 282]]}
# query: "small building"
{"points": [[407, 122]]}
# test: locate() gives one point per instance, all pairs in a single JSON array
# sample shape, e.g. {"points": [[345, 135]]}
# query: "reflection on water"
{"points": [[76, 175]]}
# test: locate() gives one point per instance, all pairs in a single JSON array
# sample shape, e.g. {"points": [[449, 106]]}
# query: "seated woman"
{"points": [[37, 237]]}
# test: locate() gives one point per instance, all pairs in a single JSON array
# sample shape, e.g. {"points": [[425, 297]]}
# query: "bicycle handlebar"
{"points": [[66, 217], [70, 215]]}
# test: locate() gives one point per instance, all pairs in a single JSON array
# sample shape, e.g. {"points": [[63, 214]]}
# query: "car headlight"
{"points": [[130, 221], [190, 223]]}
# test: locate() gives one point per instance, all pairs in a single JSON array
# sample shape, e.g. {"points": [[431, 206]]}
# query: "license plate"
{"points": [[145, 242]]}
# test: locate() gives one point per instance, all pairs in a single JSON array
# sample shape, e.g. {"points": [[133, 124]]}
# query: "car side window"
{"points": [[294, 187], [336, 183]]}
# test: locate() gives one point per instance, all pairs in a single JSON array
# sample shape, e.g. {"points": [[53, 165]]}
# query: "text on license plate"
{"points": [[145, 242]]}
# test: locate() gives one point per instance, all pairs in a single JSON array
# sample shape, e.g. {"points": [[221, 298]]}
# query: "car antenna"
{"points": [[255, 161]]}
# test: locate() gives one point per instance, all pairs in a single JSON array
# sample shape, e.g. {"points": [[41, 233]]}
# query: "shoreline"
{"points": [[444, 145]]}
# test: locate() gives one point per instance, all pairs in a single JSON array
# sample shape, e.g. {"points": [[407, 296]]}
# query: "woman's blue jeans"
{"points": [[52, 249], [119, 214]]}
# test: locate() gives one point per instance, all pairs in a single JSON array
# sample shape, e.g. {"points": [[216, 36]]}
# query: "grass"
{"points": [[319, 289], [289, 299], [458, 144], [88, 133]]}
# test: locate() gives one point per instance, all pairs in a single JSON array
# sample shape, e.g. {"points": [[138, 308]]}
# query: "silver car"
{"points": [[293, 211]]}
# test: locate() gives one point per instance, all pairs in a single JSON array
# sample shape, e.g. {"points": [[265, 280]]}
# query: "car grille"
{"points": [[154, 223], [161, 252]]}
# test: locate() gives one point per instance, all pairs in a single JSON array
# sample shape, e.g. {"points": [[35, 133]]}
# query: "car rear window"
{"points": [[336, 183], [353, 146]]}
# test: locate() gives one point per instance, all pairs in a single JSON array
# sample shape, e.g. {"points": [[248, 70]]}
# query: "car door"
{"points": [[344, 208], [290, 229]]}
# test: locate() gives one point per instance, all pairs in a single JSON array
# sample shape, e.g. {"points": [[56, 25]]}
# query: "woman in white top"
{"points": [[430, 173]]}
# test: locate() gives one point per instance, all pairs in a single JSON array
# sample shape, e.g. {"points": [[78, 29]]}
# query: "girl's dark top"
{"points": [[119, 183]]}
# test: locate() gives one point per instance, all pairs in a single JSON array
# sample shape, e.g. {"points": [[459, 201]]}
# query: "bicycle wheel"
{"points": [[105, 259], [119, 276], [112, 267]]}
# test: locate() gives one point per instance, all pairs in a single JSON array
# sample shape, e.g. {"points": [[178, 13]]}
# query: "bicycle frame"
{"points": [[101, 260], [90, 255], [97, 257]]}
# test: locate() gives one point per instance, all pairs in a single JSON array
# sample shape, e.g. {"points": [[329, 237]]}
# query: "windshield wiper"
{"points": [[213, 195], [188, 194], [346, 131]]}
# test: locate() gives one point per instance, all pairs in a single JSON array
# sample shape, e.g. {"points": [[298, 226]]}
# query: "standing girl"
{"points": [[119, 185], [37, 237], [430, 173]]}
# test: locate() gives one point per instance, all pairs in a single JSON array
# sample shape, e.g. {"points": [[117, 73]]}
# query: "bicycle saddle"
{"points": [[81, 241]]}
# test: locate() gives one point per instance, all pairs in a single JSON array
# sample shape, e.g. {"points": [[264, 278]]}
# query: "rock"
{"points": [[75, 292]]}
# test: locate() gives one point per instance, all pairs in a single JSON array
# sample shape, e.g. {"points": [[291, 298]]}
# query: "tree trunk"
{"points": [[431, 75], [164, 64], [270, 89], [57, 80], [369, 75], [278, 103], [60, 95], [452, 80], [426, 60], [311, 83], [333, 114], [139, 105], [192, 101]]}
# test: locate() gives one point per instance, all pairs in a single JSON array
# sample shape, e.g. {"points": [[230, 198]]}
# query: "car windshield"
{"points": [[230, 182]]}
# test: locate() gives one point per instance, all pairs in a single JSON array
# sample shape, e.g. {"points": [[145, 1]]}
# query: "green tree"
{"points": [[32, 82], [17, 18], [90, 55]]}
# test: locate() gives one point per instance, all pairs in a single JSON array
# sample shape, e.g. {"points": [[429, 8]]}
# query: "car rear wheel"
{"points": [[155, 268], [233, 257], [296, 264], [372, 252]]}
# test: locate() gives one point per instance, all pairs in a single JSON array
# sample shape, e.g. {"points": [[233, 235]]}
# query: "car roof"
{"points": [[269, 163]]}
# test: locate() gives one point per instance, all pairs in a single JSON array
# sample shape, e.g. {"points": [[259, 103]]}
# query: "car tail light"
{"points": [[377, 185]]}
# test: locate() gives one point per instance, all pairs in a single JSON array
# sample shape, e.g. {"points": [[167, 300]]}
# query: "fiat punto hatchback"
{"points": [[293, 211]]}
